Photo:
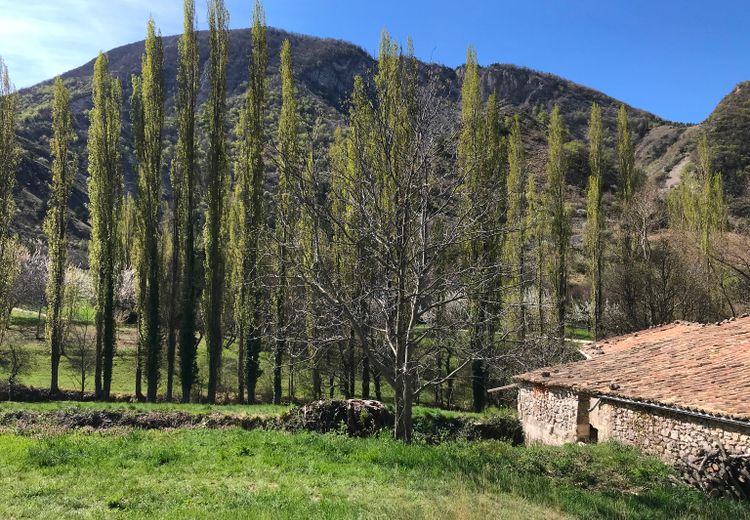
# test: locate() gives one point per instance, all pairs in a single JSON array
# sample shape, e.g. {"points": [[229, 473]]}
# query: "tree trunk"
{"points": [[241, 367], [351, 365], [365, 376], [478, 384], [344, 368], [317, 389], [171, 336], [478, 369], [378, 387], [277, 361], [138, 369], [404, 401], [98, 360], [252, 365], [449, 383], [39, 324]]}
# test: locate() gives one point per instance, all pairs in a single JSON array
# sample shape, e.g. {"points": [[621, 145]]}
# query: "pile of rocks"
{"points": [[356, 417]]}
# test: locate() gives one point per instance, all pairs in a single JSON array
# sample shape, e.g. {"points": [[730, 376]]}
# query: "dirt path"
{"points": [[674, 176]]}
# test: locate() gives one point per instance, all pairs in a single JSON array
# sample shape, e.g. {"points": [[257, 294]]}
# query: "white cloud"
{"points": [[40, 38]]}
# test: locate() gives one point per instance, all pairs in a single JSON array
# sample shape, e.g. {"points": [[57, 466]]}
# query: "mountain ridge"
{"points": [[325, 69]]}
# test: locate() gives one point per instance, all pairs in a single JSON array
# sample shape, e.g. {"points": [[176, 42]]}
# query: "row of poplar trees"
{"points": [[399, 240], [114, 214]]}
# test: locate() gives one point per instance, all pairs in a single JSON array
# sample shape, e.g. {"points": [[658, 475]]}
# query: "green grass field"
{"points": [[23, 333], [268, 474], [200, 472]]}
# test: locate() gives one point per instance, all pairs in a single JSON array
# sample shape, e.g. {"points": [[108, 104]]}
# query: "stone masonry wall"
{"points": [[547, 415], [667, 435]]}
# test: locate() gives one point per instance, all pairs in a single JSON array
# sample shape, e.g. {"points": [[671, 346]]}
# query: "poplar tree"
{"points": [[626, 157], [234, 279], [478, 155], [629, 182], [216, 180], [250, 176], [172, 268], [137, 129], [559, 219], [286, 214], [348, 238], [63, 174], [149, 129], [188, 78], [515, 244], [9, 159], [308, 239], [698, 202], [537, 224], [593, 239], [128, 230], [469, 149], [105, 196]]}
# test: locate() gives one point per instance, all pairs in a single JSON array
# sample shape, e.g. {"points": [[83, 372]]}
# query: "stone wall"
{"points": [[667, 435], [547, 415], [557, 416]]}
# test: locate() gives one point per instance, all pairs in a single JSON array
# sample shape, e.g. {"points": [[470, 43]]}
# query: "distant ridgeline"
{"points": [[325, 71]]}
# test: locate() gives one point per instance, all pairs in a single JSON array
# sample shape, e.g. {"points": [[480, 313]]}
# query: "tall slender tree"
{"points": [[216, 188], [515, 244], [698, 203], [286, 213], [626, 157], [188, 77], [105, 195], [627, 249], [559, 219], [172, 268], [537, 224], [250, 175], [137, 129], [593, 239], [63, 173], [9, 158], [478, 155], [149, 127], [308, 238]]}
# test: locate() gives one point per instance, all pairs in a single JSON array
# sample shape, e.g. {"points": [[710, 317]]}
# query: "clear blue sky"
{"points": [[676, 58]]}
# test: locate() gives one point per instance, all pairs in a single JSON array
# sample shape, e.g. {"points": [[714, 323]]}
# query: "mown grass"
{"points": [[270, 474]]}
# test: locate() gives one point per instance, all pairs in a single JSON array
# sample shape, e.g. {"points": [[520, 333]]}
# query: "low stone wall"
{"points": [[667, 435], [547, 415]]}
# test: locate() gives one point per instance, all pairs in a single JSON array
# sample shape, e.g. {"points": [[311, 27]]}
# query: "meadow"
{"points": [[53, 471], [201, 473]]}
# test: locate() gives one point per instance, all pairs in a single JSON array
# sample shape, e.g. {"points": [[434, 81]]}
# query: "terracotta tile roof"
{"points": [[698, 367]]}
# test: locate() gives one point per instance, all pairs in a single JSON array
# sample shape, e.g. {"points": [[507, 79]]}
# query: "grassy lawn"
{"points": [[23, 333], [270, 474]]}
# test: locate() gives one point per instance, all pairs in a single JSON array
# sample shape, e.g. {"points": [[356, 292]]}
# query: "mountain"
{"points": [[325, 71]]}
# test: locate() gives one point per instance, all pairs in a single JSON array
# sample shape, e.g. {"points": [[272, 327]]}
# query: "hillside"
{"points": [[325, 70]]}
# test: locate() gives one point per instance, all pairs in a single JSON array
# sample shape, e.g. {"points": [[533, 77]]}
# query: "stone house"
{"points": [[669, 390]]}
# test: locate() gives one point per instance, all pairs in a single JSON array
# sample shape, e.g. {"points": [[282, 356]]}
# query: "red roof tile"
{"points": [[704, 368]]}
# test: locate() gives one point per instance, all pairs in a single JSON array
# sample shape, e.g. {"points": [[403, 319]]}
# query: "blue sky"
{"points": [[676, 58]]}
